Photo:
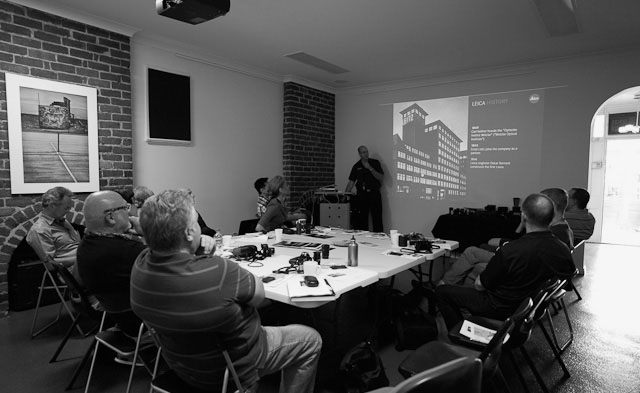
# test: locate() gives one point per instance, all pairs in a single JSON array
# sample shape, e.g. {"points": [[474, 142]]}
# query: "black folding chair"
{"points": [[169, 382], [84, 307]]}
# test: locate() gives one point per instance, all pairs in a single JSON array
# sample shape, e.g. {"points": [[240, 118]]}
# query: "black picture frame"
{"points": [[169, 107], [617, 120]]}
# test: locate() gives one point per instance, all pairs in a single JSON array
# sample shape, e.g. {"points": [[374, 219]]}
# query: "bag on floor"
{"points": [[362, 369], [413, 326]]}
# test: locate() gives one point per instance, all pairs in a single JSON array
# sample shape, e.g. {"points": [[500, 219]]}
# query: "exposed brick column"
{"points": [[38, 44], [308, 139]]}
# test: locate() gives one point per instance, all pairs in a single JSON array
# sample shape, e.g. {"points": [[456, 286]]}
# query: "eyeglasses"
{"points": [[126, 207]]}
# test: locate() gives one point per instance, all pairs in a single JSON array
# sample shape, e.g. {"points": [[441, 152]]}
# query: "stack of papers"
{"points": [[299, 291]]}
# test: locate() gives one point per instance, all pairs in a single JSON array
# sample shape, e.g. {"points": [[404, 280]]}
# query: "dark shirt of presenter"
{"points": [[366, 175]]}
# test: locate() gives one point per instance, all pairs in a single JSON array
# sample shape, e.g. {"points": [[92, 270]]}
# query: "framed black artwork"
{"points": [[169, 106], [622, 123]]}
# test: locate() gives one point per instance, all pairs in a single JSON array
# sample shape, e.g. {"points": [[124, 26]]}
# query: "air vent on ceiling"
{"points": [[313, 61]]}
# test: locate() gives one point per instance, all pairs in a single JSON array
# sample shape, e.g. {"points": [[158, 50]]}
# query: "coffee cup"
{"points": [[395, 237], [226, 240], [278, 235], [311, 268]]}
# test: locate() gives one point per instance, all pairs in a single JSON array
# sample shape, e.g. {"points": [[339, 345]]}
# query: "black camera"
{"points": [[299, 260]]}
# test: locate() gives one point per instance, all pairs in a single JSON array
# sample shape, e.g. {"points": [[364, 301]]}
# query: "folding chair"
{"points": [[524, 324], [435, 353], [557, 302], [169, 382], [85, 306], [54, 283], [118, 342], [459, 375]]}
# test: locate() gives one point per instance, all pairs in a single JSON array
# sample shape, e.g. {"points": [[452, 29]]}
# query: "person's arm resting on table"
{"points": [[249, 290]]}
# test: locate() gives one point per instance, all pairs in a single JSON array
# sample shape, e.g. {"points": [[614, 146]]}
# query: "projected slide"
{"points": [[471, 148]]}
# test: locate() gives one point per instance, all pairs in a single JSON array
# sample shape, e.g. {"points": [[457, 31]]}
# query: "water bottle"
{"points": [[218, 242], [352, 248]]}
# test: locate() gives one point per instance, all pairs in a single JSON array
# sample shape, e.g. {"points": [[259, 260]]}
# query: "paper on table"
{"points": [[298, 289]]}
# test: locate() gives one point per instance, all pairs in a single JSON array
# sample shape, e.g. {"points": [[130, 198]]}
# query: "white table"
{"points": [[340, 280], [373, 264]]}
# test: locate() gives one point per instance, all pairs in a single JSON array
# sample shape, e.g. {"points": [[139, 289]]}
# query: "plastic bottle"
{"points": [[352, 248], [218, 242]]}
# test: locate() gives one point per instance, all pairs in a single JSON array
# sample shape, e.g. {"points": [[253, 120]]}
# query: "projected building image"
{"points": [[427, 158]]}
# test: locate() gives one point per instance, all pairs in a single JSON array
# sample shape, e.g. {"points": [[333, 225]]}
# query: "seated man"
{"points": [[474, 260], [261, 187], [559, 226], [107, 253], [516, 271], [580, 220], [52, 237], [195, 303]]}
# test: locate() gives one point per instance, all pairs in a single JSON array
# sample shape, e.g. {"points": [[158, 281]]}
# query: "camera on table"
{"points": [[299, 260]]}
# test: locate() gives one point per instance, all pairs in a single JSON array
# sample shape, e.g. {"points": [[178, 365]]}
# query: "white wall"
{"points": [[236, 128], [363, 116]]}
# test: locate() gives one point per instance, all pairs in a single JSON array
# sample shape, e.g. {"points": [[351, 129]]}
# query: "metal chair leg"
{"points": [[534, 370], [523, 383], [564, 346], [44, 287], [554, 349], [81, 365]]}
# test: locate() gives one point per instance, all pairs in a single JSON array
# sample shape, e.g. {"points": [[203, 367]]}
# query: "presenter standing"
{"points": [[366, 175]]}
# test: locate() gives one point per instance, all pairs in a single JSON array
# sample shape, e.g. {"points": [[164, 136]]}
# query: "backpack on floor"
{"points": [[413, 326], [362, 369]]}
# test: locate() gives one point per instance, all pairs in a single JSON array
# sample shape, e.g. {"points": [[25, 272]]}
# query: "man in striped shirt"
{"points": [[196, 303]]}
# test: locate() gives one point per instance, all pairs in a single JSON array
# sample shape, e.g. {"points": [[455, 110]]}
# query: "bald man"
{"points": [[107, 253], [515, 272]]}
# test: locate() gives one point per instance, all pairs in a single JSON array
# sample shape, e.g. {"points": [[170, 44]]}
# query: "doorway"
{"points": [[614, 178], [621, 208]]}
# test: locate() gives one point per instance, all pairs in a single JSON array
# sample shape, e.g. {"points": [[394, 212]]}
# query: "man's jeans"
{"points": [[469, 265], [294, 349]]}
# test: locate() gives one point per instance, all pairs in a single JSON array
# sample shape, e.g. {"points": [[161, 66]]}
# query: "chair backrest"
{"points": [[546, 293], [67, 278], [247, 226], [490, 356], [174, 380], [459, 375]]}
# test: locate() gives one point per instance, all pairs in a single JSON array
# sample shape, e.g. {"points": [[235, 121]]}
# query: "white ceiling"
{"points": [[377, 41]]}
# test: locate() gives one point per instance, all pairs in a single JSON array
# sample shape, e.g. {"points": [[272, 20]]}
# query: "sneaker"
{"points": [[127, 360]]}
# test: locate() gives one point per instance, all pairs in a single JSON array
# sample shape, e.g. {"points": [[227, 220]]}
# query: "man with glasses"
{"points": [[107, 252], [52, 237]]}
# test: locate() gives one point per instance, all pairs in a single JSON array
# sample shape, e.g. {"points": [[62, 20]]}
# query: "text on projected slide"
{"points": [[456, 148]]}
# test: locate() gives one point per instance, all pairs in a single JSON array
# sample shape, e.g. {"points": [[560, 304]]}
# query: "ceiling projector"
{"points": [[192, 11]]}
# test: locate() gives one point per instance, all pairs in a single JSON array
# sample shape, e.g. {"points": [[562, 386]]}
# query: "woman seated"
{"points": [[276, 214]]}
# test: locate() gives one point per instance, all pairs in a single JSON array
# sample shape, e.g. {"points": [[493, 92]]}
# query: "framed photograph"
{"points": [[169, 108], [53, 135]]}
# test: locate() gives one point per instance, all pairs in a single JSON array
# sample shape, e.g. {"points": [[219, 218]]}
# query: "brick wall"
{"points": [[46, 46], [308, 139]]}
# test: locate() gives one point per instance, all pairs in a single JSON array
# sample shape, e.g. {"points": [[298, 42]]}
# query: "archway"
{"points": [[614, 176]]}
